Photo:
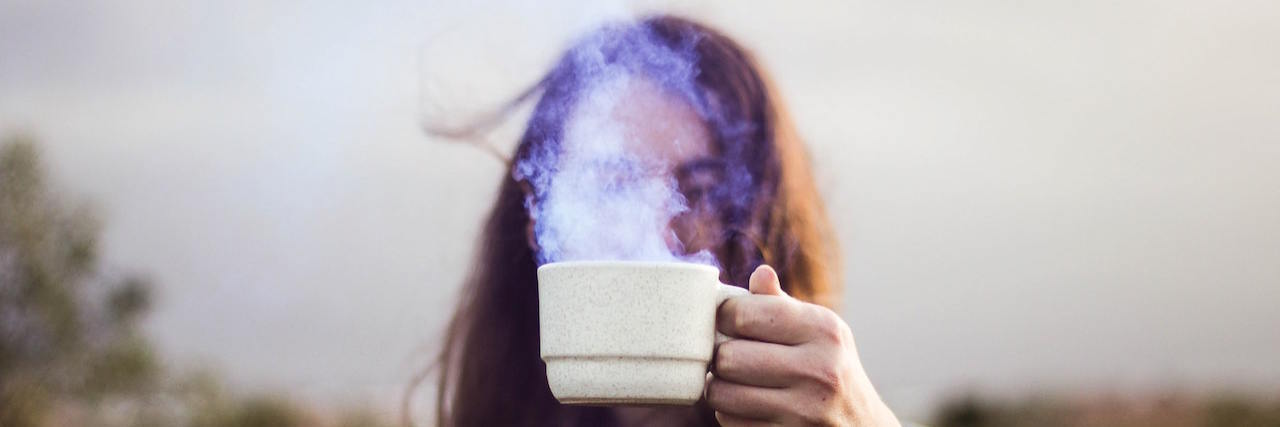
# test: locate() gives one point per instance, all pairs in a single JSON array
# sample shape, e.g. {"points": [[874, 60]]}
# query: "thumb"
{"points": [[764, 281]]}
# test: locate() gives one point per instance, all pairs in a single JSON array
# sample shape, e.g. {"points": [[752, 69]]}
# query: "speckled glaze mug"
{"points": [[628, 333]]}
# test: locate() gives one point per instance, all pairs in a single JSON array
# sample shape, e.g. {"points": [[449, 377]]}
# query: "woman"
{"points": [[751, 204]]}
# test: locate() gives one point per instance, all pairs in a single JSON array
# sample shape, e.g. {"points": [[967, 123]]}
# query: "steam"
{"points": [[594, 197]]}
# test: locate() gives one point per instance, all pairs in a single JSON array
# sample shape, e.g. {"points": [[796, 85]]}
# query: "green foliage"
{"points": [[1239, 411], [67, 330], [129, 301], [71, 338], [267, 412], [125, 366], [72, 351], [965, 412], [1113, 411], [361, 418]]}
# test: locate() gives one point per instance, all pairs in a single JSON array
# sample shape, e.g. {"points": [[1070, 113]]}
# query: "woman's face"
{"points": [[661, 129]]}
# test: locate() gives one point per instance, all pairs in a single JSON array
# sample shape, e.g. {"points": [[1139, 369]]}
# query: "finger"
{"points": [[768, 318], [764, 281], [758, 363], [744, 401], [729, 420]]}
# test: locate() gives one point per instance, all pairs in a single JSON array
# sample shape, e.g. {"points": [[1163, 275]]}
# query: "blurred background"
{"points": [[226, 213]]}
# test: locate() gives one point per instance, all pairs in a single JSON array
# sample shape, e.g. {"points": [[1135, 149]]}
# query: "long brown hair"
{"points": [[490, 372]]}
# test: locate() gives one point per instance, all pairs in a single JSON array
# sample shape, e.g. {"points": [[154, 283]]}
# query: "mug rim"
{"points": [[628, 264]]}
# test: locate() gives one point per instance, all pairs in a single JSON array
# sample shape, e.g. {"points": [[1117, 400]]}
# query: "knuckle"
{"points": [[827, 377], [829, 324]]}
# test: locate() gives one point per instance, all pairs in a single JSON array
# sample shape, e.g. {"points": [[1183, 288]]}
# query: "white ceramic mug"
{"points": [[627, 332]]}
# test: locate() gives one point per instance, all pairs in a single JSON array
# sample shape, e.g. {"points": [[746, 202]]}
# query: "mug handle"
{"points": [[723, 293]]}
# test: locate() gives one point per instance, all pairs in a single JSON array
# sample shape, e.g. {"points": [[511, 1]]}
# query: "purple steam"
{"points": [[593, 198]]}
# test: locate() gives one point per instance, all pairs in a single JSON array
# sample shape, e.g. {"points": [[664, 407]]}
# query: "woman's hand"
{"points": [[790, 363]]}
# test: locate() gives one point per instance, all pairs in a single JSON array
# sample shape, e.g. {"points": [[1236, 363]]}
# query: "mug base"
{"points": [[626, 381], [626, 402]]}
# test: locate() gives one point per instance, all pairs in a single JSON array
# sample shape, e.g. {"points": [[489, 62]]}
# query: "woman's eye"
{"points": [[693, 195]]}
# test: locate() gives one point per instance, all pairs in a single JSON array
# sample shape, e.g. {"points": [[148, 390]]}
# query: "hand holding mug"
{"points": [[788, 362]]}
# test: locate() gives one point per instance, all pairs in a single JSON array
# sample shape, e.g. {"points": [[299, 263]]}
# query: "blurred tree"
{"points": [[1165, 410], [268, 412], [66, 330], [965, 412], [72, 351], [1240, 411]]}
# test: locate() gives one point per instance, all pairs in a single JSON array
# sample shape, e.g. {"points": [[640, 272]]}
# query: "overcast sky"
{"points": [[1064, 196]]}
